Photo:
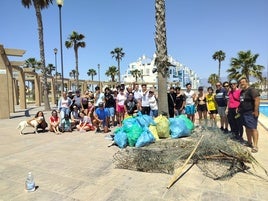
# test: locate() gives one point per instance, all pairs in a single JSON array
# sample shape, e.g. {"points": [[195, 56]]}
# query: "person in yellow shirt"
{"points": [[212, 107]]}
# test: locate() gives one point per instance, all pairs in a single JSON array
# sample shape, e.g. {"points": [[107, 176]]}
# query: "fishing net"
{"points": [[218, 156]]}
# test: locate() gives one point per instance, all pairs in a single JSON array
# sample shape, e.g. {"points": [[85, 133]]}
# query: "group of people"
{"points": [[236, 103]]}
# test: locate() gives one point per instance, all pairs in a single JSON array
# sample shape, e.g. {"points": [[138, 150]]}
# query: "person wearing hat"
{"points": [[233, 117], [101, 116]]}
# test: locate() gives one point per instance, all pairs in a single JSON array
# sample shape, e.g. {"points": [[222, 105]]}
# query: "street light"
{"points": [[55, 52], [99, 73], [60, 4]]}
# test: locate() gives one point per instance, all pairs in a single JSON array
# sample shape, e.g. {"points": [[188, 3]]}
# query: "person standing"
{"points": [[233, 103], [202, 110], [212, 107], [249, 111], [190, 102], [153, 104], [171, 102], [179, 101], [221, 94], [64, 105], [145, 107]]}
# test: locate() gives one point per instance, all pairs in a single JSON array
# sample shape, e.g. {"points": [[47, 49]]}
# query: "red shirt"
{"points": [[53, 119]]}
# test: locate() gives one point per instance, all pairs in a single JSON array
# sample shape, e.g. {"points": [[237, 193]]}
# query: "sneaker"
{"points": [[225, 131], [98, 130]]}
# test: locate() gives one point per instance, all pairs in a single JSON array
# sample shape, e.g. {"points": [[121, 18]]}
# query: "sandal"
{"points": [[254, 150]]}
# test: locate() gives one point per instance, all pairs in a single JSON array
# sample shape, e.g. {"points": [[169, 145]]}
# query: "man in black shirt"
{"points": [[249, 111]]}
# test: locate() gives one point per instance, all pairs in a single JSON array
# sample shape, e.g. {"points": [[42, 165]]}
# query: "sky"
{"points": [[196, 29]]}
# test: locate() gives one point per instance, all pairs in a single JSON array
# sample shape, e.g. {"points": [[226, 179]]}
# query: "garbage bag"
{"points": [[134, 134], [153, 130], [178, 128], [145, 138], [188, 122], [162, 126], [120, 138]]}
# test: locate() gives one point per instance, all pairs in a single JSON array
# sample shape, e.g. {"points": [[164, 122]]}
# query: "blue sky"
{"points": [[195, 30]]}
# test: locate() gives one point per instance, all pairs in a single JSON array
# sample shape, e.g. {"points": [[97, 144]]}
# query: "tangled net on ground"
{"points": [[217, 155]]}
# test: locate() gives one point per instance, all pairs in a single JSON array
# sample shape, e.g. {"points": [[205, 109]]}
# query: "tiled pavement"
{"points": [[76, 166]]}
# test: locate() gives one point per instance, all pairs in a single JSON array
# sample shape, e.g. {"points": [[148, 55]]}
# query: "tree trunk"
{"points": [[119, 73], [76, 67], [42, 54], [161, 60]]}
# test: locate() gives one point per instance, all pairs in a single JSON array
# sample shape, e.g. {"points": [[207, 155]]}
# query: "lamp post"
{"points": [[60, 4], [99, 73], [56, 71]]}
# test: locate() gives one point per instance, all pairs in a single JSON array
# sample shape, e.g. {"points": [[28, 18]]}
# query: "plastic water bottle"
{"points": [[29, 183]]}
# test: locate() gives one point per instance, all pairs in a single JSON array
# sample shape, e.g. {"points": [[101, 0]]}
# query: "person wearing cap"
{"points": [[249, 111], [101, 115], [233, 117], [201, 108], [190, 102]]}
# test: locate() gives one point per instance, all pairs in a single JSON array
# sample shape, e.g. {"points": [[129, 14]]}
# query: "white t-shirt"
{"points": [[189, 97], [145, 99], [153, 103], [121, 99]]}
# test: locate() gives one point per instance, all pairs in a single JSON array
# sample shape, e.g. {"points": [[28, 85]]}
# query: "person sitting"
{"points": [[75, 117], [66, 124], [85, 123], [101, 116], [54, 122], [42, 124]]}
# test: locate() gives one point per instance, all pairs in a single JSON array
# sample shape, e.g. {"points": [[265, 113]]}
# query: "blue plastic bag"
{"points": [[120, 138], [178, 128], [145, 138]]}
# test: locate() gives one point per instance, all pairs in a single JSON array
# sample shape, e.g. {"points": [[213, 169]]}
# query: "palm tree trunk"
{"points": [[161, 60], [76, 67], [219, 70], [119, 73], [42, 54]]}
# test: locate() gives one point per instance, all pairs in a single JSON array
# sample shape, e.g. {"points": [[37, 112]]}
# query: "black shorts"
{"points": [[202, 108]]}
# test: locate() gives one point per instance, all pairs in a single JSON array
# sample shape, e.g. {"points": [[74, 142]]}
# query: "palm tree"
{"points": [[50, 68], [112, 72], [220, 56], [161, 60], [91, 72], [136, 73], [75, 40], [118, 54], [31, 63], [213, 79], [245, 66], [73, 74], [38, 6]]}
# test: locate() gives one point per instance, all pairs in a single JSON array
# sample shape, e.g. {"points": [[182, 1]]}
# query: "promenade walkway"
{"points": [[78, 167]]}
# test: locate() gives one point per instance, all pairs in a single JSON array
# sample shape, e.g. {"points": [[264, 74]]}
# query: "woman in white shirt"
{"points": [[153, 104]]}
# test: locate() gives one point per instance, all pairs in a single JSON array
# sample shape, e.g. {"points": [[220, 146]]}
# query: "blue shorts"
{"points": [[249, 120], [110, 111], [190, 109]]}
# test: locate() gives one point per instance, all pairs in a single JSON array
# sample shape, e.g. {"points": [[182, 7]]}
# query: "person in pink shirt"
{"points": [[232, 110]]}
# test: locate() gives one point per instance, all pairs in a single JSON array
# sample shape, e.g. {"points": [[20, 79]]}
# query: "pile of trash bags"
{"points": [[142, 130]]}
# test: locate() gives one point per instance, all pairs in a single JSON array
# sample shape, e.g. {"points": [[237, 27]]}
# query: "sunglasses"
{"points": [[226, 85]]}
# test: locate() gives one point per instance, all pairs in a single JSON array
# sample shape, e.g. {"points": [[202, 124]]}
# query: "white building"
{"points": [[179, 74]]}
